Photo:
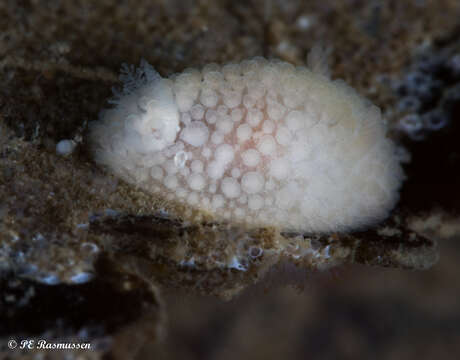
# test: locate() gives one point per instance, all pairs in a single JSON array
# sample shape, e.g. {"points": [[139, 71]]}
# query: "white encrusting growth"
{"points": [[260, 142]]}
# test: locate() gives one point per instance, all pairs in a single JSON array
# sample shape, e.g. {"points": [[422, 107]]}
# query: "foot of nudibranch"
{"points": [[220, 259]]}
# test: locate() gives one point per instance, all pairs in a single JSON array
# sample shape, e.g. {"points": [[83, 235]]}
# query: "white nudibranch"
{"points": [[257, 143]]}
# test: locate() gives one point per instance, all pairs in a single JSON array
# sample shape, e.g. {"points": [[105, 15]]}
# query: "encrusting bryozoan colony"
{"points": [[260, 143]]}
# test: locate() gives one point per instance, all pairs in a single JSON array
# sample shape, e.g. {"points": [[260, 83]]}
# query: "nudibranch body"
{"points": [[260, 143]]}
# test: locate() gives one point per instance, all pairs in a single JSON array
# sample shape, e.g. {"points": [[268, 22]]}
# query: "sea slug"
{"points": [[257, 143]]}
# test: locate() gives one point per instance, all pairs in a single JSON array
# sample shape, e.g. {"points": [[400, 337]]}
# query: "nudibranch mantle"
{"points": [[260, 143]]}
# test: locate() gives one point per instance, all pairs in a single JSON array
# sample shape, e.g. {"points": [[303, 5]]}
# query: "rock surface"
{"points": [[86, 257]]}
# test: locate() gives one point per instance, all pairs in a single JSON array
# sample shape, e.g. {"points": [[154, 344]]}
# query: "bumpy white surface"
{"points": [[260, 142]]}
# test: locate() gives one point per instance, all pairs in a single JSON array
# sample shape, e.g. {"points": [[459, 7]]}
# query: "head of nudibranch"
{"points": [[257, 143]]}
